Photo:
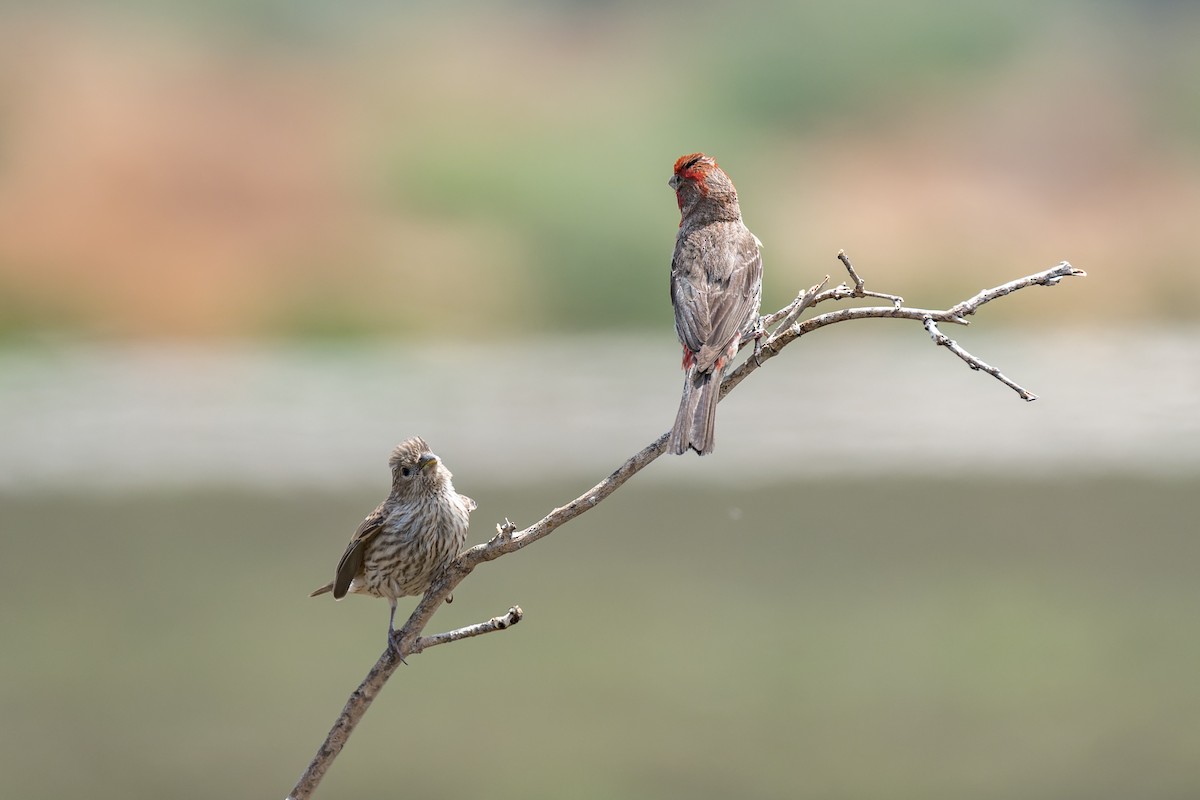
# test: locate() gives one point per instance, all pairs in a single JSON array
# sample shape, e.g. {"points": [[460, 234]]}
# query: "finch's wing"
{"points": [[713, 309], [352, 560], [731, 307], [691, 312], [469, 503]]}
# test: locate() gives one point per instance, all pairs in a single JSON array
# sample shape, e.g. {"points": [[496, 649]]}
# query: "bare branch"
{"points": [[365, 694], [503, 622], [360, 700], [783, 336], [945, 341], [508, 539], [1049, 277]]}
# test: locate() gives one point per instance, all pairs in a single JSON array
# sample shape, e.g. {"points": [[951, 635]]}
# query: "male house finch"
{"points": [[401, 547], [716, 287]]}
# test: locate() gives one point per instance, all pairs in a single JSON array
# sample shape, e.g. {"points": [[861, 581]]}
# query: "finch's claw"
{"points": [[760, 330], [394, 644]]}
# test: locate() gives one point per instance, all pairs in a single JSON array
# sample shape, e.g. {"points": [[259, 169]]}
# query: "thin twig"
{"points": [[508, 539], [507, 620], [792, 311], [945, 341], [1049, 277], [858, 290]]}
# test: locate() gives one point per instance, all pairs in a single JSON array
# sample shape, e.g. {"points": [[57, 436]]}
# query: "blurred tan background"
{"points": [[245, 247], [187, 169]]}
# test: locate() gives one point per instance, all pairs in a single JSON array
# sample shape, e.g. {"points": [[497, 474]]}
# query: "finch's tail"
{"points": [[697, 412], [326, 588]]}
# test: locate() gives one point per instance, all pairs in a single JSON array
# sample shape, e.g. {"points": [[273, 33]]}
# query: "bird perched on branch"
{"points": [[716, 288], [409, 539]]}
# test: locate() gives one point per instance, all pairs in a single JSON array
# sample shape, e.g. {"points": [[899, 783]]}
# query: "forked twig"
{"points": [[858, 290]]}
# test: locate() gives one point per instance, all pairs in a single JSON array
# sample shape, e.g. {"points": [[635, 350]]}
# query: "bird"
{"points": [[716, 291], [406, 542]]}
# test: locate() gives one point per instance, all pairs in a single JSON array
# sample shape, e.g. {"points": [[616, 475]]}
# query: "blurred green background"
{"points": [[245, 247]]}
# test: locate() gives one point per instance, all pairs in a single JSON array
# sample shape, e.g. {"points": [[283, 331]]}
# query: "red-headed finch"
{"points": [[716, 288]]}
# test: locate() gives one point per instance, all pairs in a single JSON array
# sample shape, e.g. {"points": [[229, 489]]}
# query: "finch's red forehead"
{"points": [[694, 167]]}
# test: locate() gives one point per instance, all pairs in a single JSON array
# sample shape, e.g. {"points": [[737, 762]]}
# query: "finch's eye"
{"points": [[406, 471]]}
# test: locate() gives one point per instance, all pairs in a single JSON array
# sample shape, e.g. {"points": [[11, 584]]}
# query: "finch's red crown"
{"points": [[694, 167]]}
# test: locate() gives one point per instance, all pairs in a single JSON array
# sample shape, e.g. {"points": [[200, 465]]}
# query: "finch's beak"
{"points": [[426, 460], [674, 182]]}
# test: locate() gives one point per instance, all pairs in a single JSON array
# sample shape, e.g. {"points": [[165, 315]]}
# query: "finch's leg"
{"points": [[393, 640], [757, 333]]}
